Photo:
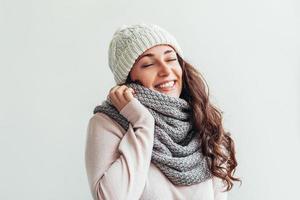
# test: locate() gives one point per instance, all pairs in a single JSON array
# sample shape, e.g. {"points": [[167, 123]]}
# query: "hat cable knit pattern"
{"points": [[130, 41]]}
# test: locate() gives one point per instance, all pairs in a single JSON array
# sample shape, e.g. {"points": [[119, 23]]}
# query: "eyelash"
{"points": [[152, 64]]}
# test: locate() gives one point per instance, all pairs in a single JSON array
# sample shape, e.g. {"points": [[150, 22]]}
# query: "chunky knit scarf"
{"points": [[176, 150]]}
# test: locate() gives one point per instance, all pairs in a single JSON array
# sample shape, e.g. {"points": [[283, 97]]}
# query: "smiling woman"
{"points": [[158, 69], [157, 136]]}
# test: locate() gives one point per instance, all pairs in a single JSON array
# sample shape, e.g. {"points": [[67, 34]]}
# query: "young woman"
{"points": [[157, 136]]}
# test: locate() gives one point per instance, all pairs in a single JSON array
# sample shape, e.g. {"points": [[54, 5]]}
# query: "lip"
{"points": [[165, 82], [167, 89]]}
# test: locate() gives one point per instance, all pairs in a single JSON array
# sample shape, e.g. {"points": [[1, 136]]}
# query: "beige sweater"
{"points": [[118, 163]]}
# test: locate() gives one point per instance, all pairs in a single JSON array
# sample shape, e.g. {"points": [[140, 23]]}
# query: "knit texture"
{"points": [[129, 42], [176, 150]]}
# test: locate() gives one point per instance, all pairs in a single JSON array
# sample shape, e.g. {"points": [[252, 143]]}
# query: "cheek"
{"points": [[146, 78], [148, 81], [179, 72]]}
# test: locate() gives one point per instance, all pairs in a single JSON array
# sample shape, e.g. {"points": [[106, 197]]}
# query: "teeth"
{"points": [[168, 84]]}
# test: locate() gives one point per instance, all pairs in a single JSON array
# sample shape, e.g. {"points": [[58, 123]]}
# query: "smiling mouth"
{"points": [[166, 86]]}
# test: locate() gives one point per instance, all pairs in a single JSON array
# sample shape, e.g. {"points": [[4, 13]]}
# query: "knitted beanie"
{"points": [[129, 42]]}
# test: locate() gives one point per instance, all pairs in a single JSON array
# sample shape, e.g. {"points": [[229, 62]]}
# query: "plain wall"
{"points": [[54, 71]]}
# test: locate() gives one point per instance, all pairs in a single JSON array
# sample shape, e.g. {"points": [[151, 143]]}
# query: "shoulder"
{"points": [[100, 122], [219, 185]]}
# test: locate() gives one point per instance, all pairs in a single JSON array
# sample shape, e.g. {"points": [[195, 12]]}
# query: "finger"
{"points": [[120, 93], [131, 89], [128, 94], [114, 88], [133, 92], [112, 94]]}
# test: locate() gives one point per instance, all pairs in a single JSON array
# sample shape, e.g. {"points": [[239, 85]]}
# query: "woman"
{"points": [[156, 136]]}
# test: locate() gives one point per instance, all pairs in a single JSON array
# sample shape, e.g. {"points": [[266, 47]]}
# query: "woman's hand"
{"points": [[120, 96]]}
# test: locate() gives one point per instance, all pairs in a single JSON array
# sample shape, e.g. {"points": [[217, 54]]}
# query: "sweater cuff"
{"points": [[134, 110]]}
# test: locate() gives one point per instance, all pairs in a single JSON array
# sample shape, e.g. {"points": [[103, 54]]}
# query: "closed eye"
{"points": [[153, 64], [147, 65]]}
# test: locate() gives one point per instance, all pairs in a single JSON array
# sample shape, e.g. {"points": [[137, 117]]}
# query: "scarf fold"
{"points": [[176, 149]]}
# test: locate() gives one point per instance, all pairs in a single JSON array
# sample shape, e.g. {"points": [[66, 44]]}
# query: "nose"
{"points": [[164, 69]]}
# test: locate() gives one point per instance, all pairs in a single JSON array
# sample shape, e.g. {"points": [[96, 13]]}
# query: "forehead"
{"points": [[154, 51], [158, 49]]}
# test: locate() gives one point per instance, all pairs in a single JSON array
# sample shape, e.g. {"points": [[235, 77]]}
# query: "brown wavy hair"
{"points": [[216, 144]]}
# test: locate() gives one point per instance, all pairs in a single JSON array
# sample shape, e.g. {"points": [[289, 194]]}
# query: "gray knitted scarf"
{"points": [[176, 149]]}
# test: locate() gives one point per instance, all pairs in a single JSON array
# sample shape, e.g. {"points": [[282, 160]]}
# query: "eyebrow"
{"points": [[151, 55]]}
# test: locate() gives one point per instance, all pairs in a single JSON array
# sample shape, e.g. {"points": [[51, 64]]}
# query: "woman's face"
{"points": [[158, 69]]}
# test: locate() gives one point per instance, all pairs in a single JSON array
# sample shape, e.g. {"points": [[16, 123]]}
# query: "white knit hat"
{"points": [[129, 42]]}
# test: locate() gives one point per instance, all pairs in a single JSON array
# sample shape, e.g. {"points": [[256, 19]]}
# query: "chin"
{"points": [[171, 94], [175, 95]]}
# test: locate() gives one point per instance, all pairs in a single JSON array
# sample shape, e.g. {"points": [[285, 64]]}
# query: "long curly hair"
{"points": [[216, 144]]}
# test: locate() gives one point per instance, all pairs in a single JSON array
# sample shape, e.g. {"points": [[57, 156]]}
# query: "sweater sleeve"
{"points": [[219, 187], [117, 164]]}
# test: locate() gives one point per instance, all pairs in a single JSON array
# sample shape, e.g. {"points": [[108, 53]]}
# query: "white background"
{"points": [[54, 70]]}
